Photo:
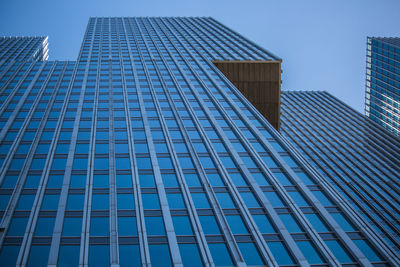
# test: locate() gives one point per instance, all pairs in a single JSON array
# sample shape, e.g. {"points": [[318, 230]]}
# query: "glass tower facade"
{"points": [[383, 82], [23, 48], [142, 152], [354, 154]]}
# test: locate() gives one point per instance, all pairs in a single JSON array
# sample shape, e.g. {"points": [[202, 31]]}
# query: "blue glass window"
{"points": [[238, 179], [82, 149], [289, 161], [42, 148], [77, 181], [142, 148], [225, 201], [32, 181], [124, 181], [75, 202], [44, 226], [186, 162], [150, 201], [209, 225], [298, 199], [101, 181], [50, 202], [129, 256], [143, 163], [159, 255], [59, 164], [4, 201], [367, 249], [38, 164], [249, 162], [322, 198], [100, 135], [305, 178], [343, 222], [339, 252], [99, 226], [282, 178], [100, 202], [249, 200], [155, 226], [280, 253], [236, 224], [165, 163], [169, 180], [55, 181], [175, 201], [62, 149], [17, 164], [101, 164], [190, 255], [200, 201], [309, 252], [316, 222], [192, 180], [99, 255], [125, 202], [263, 224], [80, 164], [250, 254], [220, 254], [290, 223], [260, 179], [207, 162], [122, 163], [182, 225], [121, 148], [9, 255], [17, 226], [274, 199], [269, 161], [277, 147], [38, 255], [127, 226], [68, 255], [215, 179], [9, 181], [146, 180], [72, 226]]}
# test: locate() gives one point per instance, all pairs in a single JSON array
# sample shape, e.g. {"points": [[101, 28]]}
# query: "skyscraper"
{"points": [[143, 152], [352, 153], [383, 82]]}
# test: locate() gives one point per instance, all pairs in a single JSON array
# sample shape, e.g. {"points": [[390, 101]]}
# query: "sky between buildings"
{"points": [[322, 43]]}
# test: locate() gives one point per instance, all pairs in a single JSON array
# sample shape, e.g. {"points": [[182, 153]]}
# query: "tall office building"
{"points": [[143, 152], [353, 154], [383, 82]]}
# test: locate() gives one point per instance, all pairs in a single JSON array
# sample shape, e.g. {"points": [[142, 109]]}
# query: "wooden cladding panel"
{"points": [[259, 82]]}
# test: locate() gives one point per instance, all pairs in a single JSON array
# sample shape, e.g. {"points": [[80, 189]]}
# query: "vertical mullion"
{"points": [[142, 234], [172, 241]]}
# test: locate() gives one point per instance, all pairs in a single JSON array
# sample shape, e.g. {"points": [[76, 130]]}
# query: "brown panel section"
{"points": [[259, 82]]}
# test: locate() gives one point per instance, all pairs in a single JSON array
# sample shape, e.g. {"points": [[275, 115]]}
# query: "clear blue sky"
{"points": [[322, 43]]}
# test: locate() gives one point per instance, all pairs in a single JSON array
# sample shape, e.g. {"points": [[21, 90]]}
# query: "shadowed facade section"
{"points": [[259, 82]]}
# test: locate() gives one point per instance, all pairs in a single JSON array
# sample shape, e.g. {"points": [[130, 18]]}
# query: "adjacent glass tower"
{"points": [[383, 82], [354, 154], [142, 152], [23, 48]]}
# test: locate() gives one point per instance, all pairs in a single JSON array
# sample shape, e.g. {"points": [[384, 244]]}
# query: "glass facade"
{"points": [[142, 152], [352, 153], [383, 82], [23, 48]]}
